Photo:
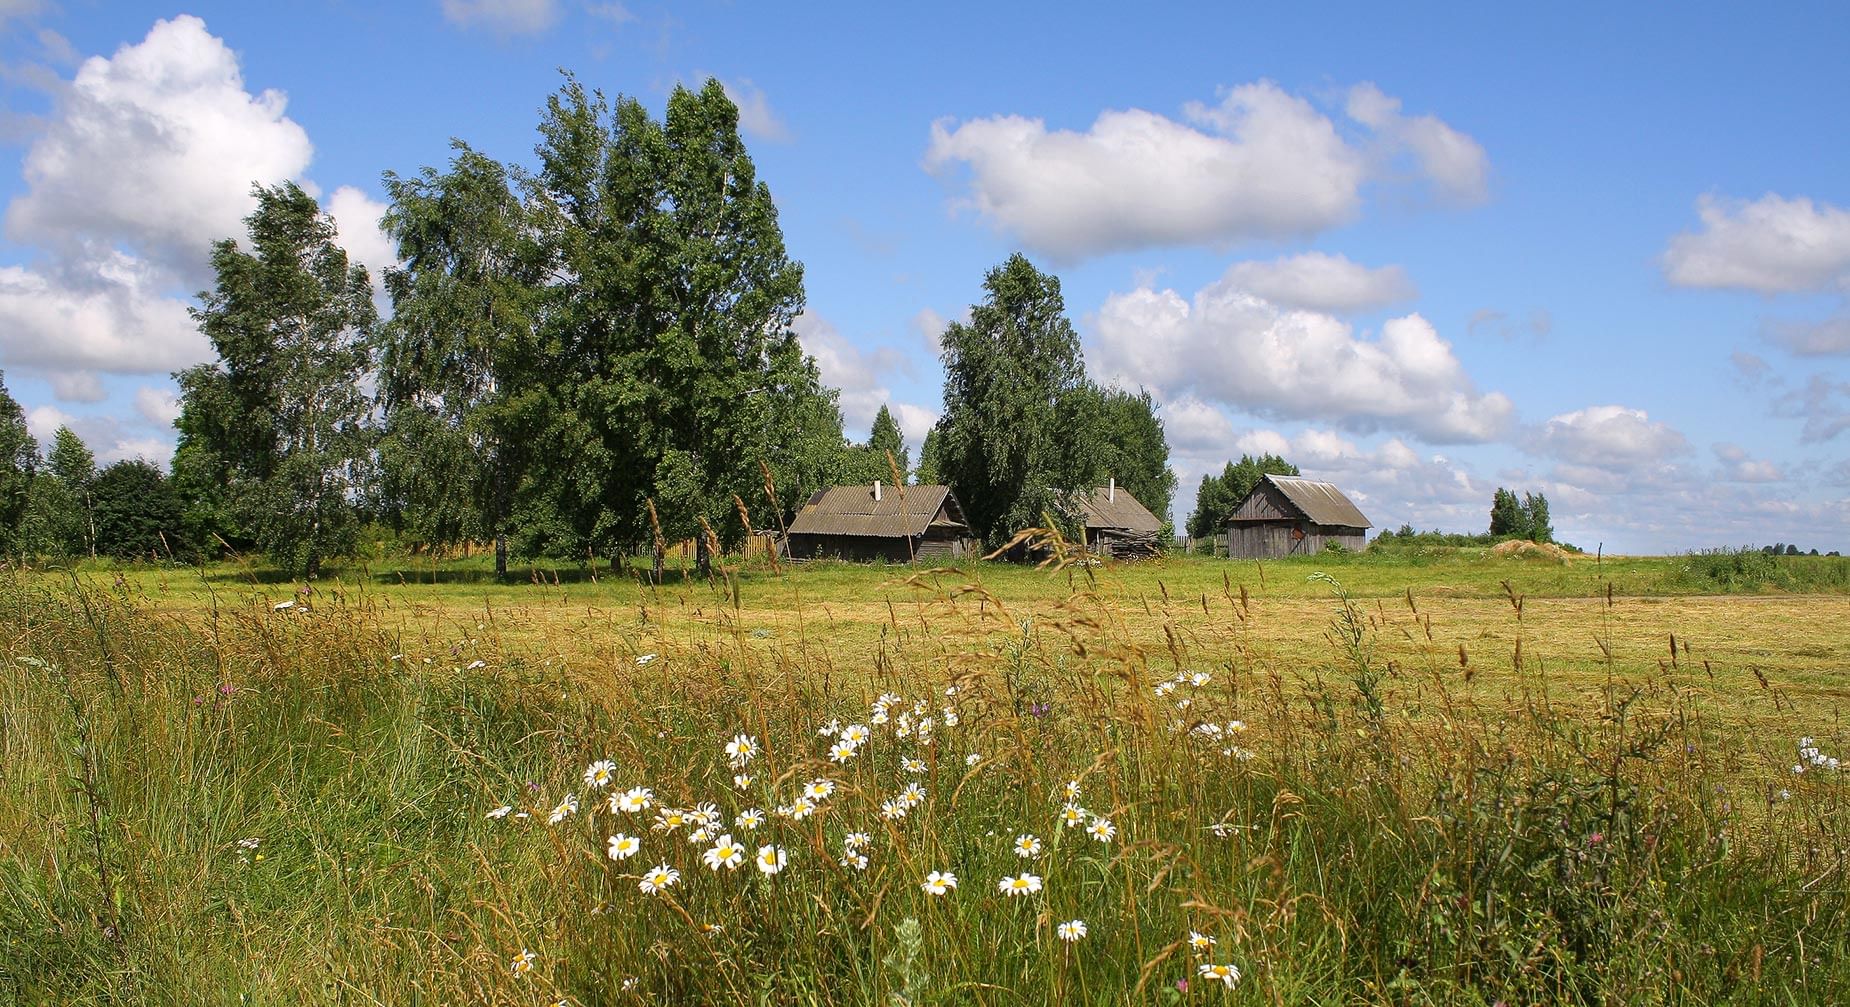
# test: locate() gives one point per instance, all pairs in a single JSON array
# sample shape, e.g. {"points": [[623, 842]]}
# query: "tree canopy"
{"points": [[280, 418], [1524, 518]]}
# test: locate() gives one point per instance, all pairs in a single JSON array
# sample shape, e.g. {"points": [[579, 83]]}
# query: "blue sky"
{"points": [[1421, 252]]}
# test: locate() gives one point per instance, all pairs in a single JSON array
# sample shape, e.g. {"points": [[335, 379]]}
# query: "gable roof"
{"points": [[900, 511], [1102, 511], [1318, 502]]}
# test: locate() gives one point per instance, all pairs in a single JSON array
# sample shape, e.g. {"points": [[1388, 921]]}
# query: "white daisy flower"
{"points": [[1072, 815], [742, 780], [522, 963], [829, 729], [598, 774], [950, 717], [749, 819], [725, 853], [1072, 930], [659, 877], [1025, 884], [1102, 830], [563, 810], [1227, 974], [819, 789], [669, 819], [622, 847], [912, 765], [1200, 943], [854, 861], [856, 840], [500, 812], [912, 796], [801, 808], [1027, 845], [632, 800], [892, 810], [972, 759], [855, 734], [1198, 679], [939, 882], [1070, 791], [770, 859], [841, 751], [741, 750]]}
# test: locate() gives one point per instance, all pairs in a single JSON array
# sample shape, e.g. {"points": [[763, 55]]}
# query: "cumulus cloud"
{"points": [[148, 158], [1258, 164], [111, 314], [1316, 281], [1229, 345], [157, 405], [1452, 162], [1738, 466], [155, 147], [1773, 245], [756, 117], [107, 437], [1609, 437], [505, 17]]}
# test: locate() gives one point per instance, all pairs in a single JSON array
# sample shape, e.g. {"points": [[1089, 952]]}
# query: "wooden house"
{"points": [[1289, 516], [898, 524], [1117, 525]]}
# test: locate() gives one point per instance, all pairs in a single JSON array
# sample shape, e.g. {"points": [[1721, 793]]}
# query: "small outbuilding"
{"points": [[1290, 516], [1117, 525], [898, 524]]}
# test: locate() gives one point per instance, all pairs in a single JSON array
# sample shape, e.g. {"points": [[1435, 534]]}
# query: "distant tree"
{"points": [[1217, 496], [887, 439], [281, 416], [1132, 448], [1009, 374], [1535, 510], [930, 472], [1507, 516], [1524, 518], [74, 466], [19, 462], [137, 512]]}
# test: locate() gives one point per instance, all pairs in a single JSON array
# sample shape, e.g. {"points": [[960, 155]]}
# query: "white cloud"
{"points": [[1770, 246], [105, 315], [77, 386], [915, 422], [1739, 466], [156, 147], [1455, 164], [1259, 164], [1316, 281], [356, 221], [1228, 345], [755, 115], [108, 438], [859, 374], [506, 17], [157, 405], [1193, 427], [1615, 438]]}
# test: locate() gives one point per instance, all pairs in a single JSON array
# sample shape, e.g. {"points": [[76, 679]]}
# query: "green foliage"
{"points": [[1012, 375], [60, 514], [19, 460], [138, 514], [461, 361], [280, 418], [1123, 432], [1525, 518], [1747, 569], [1217, 496], [671, 346], [863, 463]]}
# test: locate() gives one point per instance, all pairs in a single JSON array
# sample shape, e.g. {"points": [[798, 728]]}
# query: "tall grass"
{"points": [[1348, 831]]}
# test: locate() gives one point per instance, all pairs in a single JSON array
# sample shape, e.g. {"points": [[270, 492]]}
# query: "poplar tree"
{"points": [[19, 462]]}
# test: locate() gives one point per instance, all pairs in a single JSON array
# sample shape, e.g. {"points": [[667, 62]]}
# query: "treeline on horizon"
{"points": [[584, 359]]}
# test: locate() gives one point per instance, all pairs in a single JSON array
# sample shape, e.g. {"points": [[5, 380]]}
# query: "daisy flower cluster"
{"points": [[1810, 757]]}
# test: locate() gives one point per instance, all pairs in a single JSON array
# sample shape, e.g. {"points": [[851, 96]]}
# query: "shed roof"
{"points": [[1102, 510], [1319, 502], [900, 511]]}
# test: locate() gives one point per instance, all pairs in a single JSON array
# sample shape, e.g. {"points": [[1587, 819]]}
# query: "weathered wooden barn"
{"points": [[1117, 525], [1289, 516], [898, 524]]}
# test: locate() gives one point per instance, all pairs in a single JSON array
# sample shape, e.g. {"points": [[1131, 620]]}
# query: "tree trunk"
{"points": [[658, 564], [703, 558], [501, 555]]}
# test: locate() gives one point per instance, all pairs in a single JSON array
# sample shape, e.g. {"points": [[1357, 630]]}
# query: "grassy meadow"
{"points": [[1431, 777]]}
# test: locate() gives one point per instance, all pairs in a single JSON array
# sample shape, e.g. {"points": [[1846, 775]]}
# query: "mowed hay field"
{"points": [[1445, 777]]}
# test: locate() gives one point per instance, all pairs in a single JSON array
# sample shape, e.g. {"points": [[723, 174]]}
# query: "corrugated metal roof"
{"points": [[1319, 502], [900, 511], [1102, 511]]}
